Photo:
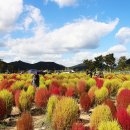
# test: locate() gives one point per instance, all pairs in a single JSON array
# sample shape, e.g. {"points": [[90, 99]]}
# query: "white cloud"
{"points": [[117, 49], [63, 3], [9, 12], [123, 35], [50, 45]]}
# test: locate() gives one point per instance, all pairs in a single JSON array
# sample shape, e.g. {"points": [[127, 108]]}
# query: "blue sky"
{"points": [[63, 31]]}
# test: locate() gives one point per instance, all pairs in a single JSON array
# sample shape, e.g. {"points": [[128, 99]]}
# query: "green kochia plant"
{"points": [[101, 94], [99, 114], [8, 99], [109, 125], [51, 106], [65, 114]]}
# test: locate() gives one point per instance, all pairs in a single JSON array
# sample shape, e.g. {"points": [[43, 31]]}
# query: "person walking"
{"points": [[35, 81]]}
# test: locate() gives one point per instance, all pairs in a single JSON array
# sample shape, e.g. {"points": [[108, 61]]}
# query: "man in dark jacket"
{"points": [[35, 80]]}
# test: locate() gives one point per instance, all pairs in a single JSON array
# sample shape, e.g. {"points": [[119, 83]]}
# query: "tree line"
{"points": [[108, 63]]}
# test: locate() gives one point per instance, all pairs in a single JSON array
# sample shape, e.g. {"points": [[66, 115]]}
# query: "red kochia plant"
{"points": [[70, 92], [123, 99], [81, 86], [78, 126], [2, 108], [54, 84], [17, 94], [111, 105], [5, 84], [99, 82], [41, 97], [123, 118], [25, 122], [85, 101], [55, 91], [62, 90]]}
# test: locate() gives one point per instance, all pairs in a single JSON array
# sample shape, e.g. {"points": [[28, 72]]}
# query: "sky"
{"points": [[63, 31]]}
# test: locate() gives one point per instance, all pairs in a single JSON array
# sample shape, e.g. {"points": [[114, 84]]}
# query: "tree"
{"points": [[122, 62], [99, 60], [110, 61], [90, 64]]}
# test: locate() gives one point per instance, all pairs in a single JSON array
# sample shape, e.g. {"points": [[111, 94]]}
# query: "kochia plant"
{"points": [[100, 113], [109, 125], [2, 108], [101, 95], [25, 122], [8, 99], [51, 106], [78, 126], [65, 113]]}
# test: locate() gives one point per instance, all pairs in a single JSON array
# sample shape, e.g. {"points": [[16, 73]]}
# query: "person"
{"points": [[35, 80]]}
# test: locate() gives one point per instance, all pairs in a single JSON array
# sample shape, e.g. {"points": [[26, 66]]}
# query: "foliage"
{"points": [[16, 96], [65, 113], [25, 122], [101, 95], [18, 85], [31, 92], [122, 62], [91, 82], [24, 101], [78, 126], [111, 105], [2, 109], [91, 93], [51, 105], [8, 98], [109, 125], [99, 114], [41, 97], [123, 118], [81, 86], [123, 98], [85, 101], [128, 109]]}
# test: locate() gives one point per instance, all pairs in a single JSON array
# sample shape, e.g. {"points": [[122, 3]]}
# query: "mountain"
{"points": [[20, 65], [79, 67]]}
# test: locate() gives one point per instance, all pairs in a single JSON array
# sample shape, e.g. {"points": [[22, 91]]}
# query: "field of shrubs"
{"points": [[61, 99]]}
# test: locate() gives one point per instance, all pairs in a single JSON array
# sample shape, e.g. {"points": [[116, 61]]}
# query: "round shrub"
{"points": [[101, 95], [115, 85], [8, 99], [78, 126], [123, 118], [51, 105], [91, 93], [24, 101], [99, 82], [111, 105], [91, 82], [70, 92], [85, 101], [41, 97], [99, 114], [107, 84], [25, 122], [123, 98], [65, 113], [2, 109], [109, 125], [31, 92], [17, 95], [81, 86], [126, 84]]}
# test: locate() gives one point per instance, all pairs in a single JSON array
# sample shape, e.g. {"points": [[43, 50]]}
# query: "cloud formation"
{"points": [[9, 13], [63, 3], [123, 35]]}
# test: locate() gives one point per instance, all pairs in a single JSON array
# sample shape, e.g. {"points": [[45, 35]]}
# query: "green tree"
{"points": [[109, 61], [99, 62], [90, 64], [122, 63]]}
